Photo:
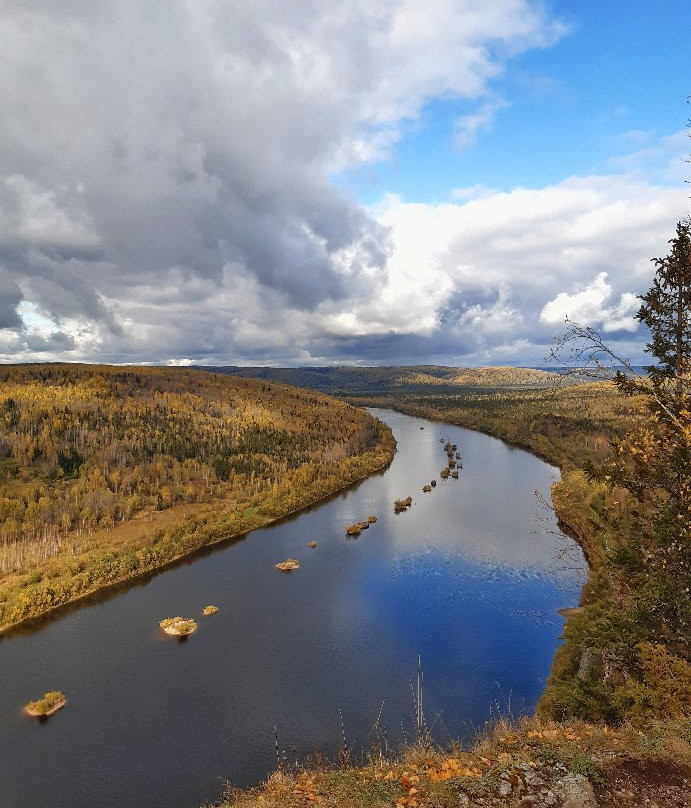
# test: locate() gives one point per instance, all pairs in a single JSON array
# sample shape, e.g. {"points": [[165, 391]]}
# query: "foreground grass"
{"points": [[531, 762]]}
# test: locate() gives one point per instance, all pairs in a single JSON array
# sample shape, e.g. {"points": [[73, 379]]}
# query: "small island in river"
{"points": [[178, 626], [51, 702], [288, 565], [402, 504]]}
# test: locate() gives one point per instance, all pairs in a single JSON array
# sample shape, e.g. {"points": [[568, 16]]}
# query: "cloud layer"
{"points": [[164, 190], [503, 270]]}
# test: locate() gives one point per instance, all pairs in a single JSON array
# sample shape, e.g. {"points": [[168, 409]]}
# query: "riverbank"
{"points": [[62, 582], [614, 664]]}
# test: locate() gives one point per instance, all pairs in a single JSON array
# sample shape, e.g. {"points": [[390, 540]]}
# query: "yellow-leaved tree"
{"points": [[635, 633]]}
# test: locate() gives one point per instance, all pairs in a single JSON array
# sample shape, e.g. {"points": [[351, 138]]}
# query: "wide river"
{"points": [[470, 578]]}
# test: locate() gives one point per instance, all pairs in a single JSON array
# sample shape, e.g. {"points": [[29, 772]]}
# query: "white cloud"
{"points": [[587, 307], [468, 127], [36, 216], [654, 157], [497, 320], [152, 148], [164, 188], [476, 191], [507, 267]]}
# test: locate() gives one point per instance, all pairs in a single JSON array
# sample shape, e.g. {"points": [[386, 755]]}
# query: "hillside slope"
{"points": [[96, 461]]}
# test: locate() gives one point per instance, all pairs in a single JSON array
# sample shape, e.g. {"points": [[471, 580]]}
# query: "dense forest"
{"points": [[571, 425], [88, 454]]}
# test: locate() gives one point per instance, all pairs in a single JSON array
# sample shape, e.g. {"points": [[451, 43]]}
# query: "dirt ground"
{"points": [[645, 783]]}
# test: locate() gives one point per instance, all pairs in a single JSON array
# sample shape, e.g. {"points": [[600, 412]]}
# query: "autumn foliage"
{"points": [[85, 450], [629, 653]]}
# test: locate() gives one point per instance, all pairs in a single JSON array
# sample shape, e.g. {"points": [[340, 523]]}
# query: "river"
{"points": [[470, 578]]}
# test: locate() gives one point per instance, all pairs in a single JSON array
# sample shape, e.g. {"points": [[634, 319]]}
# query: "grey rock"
{"points": [[463, 800], [504, 788], [532, 778], [576, 792]]}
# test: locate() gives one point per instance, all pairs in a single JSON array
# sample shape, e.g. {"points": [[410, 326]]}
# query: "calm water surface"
{"points": [[470, 578]]}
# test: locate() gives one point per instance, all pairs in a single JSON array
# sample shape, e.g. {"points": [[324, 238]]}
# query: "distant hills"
{"points": [[412, 378]]}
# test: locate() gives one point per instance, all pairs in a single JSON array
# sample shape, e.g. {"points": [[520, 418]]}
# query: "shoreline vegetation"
{"points": [[190, 535], [291, 449]]}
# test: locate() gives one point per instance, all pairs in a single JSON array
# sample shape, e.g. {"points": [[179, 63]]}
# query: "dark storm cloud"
{"points": [[10, 297], [164, 172], [146, 139], [39, 344], [438, 347]]}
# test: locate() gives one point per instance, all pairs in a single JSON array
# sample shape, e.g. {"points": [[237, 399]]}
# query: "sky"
{"points": [[353, 182]]}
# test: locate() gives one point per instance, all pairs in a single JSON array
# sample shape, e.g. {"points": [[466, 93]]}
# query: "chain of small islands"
{"points": [[182, 627]]}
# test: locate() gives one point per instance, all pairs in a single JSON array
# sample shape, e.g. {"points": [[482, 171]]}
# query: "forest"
{"points": [[568, 424], [342, 380], [95, 459]]}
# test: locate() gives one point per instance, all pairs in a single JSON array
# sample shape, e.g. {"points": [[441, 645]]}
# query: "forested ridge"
{"points": [[345, 380], [85, 449]]}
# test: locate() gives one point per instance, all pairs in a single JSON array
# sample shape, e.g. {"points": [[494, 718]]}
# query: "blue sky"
{"points": [[617, 80], [353, 182]]}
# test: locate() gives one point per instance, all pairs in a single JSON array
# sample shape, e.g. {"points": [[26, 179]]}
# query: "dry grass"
{"points": [[522, 755]]}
